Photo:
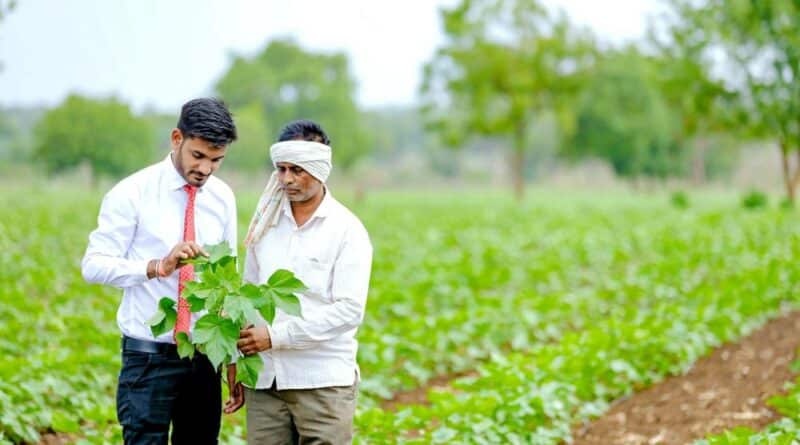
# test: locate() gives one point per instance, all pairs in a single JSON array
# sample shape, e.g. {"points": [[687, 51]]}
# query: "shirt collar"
{"points": [[174, 180], [322, 211]]}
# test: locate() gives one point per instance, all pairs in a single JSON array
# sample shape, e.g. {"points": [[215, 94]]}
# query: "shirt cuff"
{"points": [[279, 337], [143, 268]]}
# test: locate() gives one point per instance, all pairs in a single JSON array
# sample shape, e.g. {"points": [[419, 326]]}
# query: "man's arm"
{"points": [[351, 273], [104, 261]]}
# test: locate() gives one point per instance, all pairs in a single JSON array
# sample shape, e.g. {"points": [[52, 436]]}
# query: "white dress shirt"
{"points": [[141, 219], [331, 253]]}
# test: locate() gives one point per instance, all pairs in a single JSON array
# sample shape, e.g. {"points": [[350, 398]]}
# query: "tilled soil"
{"points": [[728, 388]]}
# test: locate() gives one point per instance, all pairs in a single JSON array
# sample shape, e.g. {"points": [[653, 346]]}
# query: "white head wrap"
{"points": [[313, 157]]}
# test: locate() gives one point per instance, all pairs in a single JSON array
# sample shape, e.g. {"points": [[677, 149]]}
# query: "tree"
{"points": [[6, 6], [504, 65], [621, 117], [251, 152], [287, 82], [760, 42], [706, 106], [101, 133]]}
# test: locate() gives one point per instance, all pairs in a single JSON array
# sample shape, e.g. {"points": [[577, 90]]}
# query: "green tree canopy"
{"points": [[287, 82], [505, 64], [761, 49], [706, 106], [102, 133], [621, 117]]}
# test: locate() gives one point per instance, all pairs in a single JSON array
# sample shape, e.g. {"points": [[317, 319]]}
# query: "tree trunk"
{"points": [[360, 193], [789, 179], [699, 161], [518, 162]]}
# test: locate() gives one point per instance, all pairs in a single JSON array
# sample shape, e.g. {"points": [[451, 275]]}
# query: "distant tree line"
{"points": [[709, 75]]}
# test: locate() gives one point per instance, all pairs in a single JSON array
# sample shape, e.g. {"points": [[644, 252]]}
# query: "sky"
{"points": [[156, 54]]}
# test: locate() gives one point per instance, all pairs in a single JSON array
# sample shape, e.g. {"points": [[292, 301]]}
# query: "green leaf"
{"points": [[215, 300], [163, 320], [185, 346], [262, 299], [240, 309], [196, 304], [196, 293], [285, 281], [288, 303], [196, 260], [227, 275], [248, 368], [217, 251], [209, 277], [257, 294], [218, 336], [267, 310], [64, 423]]}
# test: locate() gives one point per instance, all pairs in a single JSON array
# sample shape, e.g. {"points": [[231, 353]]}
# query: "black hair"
{"points": [[208, 119], [304, 129]]}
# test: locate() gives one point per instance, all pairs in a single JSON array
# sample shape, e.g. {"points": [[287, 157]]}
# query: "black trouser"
{"points": [[156, 388]]}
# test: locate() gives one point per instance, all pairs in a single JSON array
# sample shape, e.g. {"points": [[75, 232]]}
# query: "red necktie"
{"points": [[187, 271]]}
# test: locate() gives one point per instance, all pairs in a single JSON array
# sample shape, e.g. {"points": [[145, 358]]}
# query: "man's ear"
{"points": [[176, 139]]}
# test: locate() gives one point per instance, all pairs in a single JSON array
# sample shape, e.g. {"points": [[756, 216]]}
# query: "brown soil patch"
{"points": [[56, 439], [419, 396], [725, 389]]}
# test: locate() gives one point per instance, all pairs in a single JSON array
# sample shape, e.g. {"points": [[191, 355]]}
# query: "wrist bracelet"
{"points": [[160, 272]]}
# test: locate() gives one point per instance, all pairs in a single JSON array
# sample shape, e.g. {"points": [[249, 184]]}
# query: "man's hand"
{"points": [[235, 392], [181, 251], [253, 340]]}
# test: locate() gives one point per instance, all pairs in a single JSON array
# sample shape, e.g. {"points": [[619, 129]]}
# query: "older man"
{"points": [[307, 390]]}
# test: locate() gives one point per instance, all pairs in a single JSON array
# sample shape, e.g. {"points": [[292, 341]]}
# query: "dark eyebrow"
{"points": [[199, 154]]}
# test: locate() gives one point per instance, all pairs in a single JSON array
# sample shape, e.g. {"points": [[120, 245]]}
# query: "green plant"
{"points": [[754, 199], [231, 305], [680, 200]]}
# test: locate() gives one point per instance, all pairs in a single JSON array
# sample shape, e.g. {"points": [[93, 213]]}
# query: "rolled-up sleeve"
{"points": [[105, 259], [349, 288]]}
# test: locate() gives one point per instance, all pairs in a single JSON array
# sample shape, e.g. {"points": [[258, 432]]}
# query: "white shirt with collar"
{"points": [[331, 253], [141, 219]]}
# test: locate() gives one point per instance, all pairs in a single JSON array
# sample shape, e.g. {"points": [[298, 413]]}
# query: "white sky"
{"points": [[160, 53]]}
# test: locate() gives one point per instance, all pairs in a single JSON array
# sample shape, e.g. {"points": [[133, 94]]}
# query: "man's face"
{"points": [[195, 158], [300, 186]]}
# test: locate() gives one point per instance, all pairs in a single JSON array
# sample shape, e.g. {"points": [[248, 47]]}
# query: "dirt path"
{"points": [[725, 389]]}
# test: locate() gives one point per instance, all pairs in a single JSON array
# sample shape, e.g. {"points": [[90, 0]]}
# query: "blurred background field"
{"points": [[564, 209]]}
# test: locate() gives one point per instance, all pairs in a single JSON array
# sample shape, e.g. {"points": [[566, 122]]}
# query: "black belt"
{"points": [[150, 347]]}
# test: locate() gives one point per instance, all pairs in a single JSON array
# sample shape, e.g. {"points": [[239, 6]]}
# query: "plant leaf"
{"points": [[215, 300], [185, 346], [285, 281], [240, 309], [227, 275], [288, 303], [248, 368], [267, 309], [262, 299], [164, 318], [217, 251], [218, 336], [196, 260]]}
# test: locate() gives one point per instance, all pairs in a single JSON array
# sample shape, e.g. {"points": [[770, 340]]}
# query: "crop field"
{"points": [[488, 320]]}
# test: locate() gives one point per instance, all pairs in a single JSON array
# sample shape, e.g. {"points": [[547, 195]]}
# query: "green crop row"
{"points": [[561, 304]]}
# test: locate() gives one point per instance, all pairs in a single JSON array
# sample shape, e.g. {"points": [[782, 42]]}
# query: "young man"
{"points": [[307, 390], [148, 223]]}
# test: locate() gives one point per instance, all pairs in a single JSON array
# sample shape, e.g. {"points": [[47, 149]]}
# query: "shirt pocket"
{"points": [[316, 275]]}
